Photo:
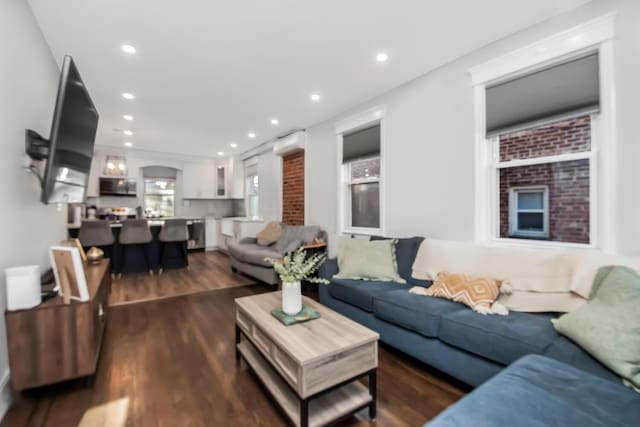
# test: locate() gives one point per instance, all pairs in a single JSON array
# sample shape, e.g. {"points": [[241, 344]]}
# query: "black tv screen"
{"points": [[73, 133]]}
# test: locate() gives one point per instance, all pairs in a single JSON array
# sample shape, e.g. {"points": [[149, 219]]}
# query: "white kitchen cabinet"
{"points": [[211, 234], [236, 178], [222, 178], [198, 180]]}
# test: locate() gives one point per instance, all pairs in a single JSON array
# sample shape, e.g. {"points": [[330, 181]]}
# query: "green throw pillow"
{"points": [[608, 326], [367, 260]]}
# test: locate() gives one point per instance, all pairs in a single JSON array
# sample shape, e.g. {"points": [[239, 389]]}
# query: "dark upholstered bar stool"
{"points": [[97, 233], [135, 232], [174, 231]]}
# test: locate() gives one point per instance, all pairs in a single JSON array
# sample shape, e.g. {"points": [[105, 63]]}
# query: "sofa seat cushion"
{"points": [[360, 293], [502, 339], [537, 391], [418, 313], [565, 350], [252, 253]]}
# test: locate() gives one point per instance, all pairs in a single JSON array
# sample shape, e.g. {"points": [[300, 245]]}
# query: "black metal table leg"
{"points": [[304, 412], [238, 337], [373, 392]]}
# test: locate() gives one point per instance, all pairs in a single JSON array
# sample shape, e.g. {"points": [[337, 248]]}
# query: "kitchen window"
{"points": [[159, 198]]}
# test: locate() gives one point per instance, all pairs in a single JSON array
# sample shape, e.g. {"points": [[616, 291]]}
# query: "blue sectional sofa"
{"points": [[447, 335], [527, 374], [538, 391]]}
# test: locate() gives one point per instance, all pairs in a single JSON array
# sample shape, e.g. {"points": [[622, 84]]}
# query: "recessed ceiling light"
{"points": [[233, 145], [315, 97], [128, 117], [127, 48], [275, 122], [382, 57], [127, 132], [128, 144], [251, 135], [220, 153], [128, 95]]}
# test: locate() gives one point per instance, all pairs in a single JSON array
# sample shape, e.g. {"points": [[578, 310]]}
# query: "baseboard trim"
{"points": [[5, 394]]}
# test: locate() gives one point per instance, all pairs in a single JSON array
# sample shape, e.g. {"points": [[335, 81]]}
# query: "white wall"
{"points": [[270, 190], [28, 84], [430, 141]]}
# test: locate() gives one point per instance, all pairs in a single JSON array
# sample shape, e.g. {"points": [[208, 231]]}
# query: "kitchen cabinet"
{"points": [[198, 180], [222, 178], [211, 233], [236, 178]]}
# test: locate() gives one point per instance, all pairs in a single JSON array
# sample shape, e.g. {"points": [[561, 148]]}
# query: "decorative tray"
{"points": [[307, 313]]}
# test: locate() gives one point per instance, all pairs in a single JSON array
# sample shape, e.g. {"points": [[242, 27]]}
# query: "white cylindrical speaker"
{"points": [[23, 287]]}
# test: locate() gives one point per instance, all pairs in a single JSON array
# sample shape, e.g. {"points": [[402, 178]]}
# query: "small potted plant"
{"points": [[293, 268]]}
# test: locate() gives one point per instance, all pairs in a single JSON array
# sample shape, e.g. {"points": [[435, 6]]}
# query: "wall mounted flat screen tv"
{"points": [[70, 145]]}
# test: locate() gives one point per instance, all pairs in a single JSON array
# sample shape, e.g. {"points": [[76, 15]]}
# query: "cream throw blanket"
{"points": [[541, 279]]}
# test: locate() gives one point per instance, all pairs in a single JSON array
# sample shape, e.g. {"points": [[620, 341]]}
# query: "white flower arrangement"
{"points": [[297, 266]]}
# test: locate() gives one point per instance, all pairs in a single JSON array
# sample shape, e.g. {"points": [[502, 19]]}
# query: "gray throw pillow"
{"points": [[608, 326]]}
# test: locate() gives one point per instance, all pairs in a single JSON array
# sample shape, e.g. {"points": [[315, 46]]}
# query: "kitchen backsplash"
{"points": [[189, 208]]}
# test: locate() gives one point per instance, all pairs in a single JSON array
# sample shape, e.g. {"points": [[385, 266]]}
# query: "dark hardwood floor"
{"points": [[207, 271], [173, 361]]}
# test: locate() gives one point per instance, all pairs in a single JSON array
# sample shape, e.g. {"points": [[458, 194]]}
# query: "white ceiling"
{"points": [[208, 72]]}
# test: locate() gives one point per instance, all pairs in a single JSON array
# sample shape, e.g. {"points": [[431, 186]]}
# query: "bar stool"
{"points": [[135, 232], [97, 233], [174, 231]]}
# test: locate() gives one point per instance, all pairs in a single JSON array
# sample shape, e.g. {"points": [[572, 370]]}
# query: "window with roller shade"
{"points": [[539, 127], [361, 179]]}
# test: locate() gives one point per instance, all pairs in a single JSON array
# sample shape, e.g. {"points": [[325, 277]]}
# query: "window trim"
{"points": [[592, 36], [514, 210], [371, 117]]}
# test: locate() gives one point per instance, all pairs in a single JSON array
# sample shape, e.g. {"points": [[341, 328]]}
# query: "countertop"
{"points": [[160, 221], [152, 222]]}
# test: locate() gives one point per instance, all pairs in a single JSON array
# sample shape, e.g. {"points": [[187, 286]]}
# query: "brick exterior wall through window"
{"points": [[567, 182], [293, 189]]}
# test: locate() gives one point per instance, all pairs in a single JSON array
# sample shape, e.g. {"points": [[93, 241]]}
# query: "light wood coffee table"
{"points": [[311, 369]]}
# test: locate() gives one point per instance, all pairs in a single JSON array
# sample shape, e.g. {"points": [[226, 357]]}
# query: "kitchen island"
{"points": [[135, 257]]}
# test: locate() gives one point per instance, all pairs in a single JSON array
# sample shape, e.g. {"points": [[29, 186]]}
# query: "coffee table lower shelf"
{"points": [[323, 410]]}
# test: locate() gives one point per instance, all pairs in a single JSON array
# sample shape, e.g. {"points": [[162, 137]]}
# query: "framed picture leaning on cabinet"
{"points": [[68, 270]]}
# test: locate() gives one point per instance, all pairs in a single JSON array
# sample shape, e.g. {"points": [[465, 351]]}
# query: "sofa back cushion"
{"points": [[540, 278], [406, 251]]}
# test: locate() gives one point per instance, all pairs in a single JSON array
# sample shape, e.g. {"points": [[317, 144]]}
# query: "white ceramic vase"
{"points": [[291, 298]]}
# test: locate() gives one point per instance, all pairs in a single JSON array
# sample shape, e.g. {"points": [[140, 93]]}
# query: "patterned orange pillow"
{"points": [[479, 293]]}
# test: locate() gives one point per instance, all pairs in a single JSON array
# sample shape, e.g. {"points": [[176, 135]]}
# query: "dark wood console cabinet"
{"points": [[55, 341]]}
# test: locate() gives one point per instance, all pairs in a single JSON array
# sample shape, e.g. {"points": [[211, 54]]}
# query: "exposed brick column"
{"points": [[293, 188]]}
